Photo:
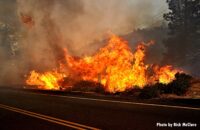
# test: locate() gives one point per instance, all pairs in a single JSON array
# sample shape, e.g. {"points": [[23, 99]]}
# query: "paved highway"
{"points": [[22, 110]]}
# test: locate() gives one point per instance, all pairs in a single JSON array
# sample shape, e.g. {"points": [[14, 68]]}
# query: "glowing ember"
{"points": [[27, 20], [114, 66]]}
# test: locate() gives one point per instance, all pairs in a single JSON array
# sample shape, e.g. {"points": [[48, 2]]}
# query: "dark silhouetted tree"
{"points": [[183, 42]]}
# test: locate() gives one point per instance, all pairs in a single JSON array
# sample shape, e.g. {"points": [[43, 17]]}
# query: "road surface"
{"points": [[21, 110]]}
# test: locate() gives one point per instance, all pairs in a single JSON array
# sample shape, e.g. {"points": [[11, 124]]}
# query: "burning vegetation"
{"points": [[114, 66]]}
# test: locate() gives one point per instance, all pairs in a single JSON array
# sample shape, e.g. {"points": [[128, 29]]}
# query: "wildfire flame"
{"points": [[48, 80], [114, 66]]}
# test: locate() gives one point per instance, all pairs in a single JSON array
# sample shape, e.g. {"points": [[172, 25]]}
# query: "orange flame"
{"points": [[48, 80], [114, 66], [165, 74]]}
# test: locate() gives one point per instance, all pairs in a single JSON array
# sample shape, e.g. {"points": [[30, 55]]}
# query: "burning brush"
{"points": [[114, 66]]}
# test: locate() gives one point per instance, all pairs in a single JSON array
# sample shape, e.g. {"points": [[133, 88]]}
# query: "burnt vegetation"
{"points": [[88, 86], [179, 87]]}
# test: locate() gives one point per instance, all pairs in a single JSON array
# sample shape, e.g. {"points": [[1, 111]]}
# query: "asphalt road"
{"points": [[21, 110]]}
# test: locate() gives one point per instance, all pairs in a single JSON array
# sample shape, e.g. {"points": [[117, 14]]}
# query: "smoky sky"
{"points": [[51, 25], [80, 22]]}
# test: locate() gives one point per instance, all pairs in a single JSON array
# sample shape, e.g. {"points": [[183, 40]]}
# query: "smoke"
{"points": [[78, 23], [43, 28], [154, 52]]}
